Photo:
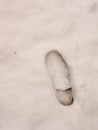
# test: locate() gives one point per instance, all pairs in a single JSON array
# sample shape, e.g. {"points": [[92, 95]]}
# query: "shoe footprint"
{"points": [[60, 75]]}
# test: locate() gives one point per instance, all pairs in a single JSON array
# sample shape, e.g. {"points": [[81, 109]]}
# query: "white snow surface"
{"points": [[28, 30]]}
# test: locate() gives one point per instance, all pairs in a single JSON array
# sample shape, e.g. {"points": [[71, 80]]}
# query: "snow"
{"points": [[30, 29]]}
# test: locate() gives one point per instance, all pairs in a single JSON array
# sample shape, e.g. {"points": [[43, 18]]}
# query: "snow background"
{"points": [[28, 30]]}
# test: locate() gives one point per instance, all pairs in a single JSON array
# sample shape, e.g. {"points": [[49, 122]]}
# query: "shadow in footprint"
{"points": [[60, 75]]}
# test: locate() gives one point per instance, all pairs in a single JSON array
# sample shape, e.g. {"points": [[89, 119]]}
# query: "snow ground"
{"points": [[28, 30]]}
